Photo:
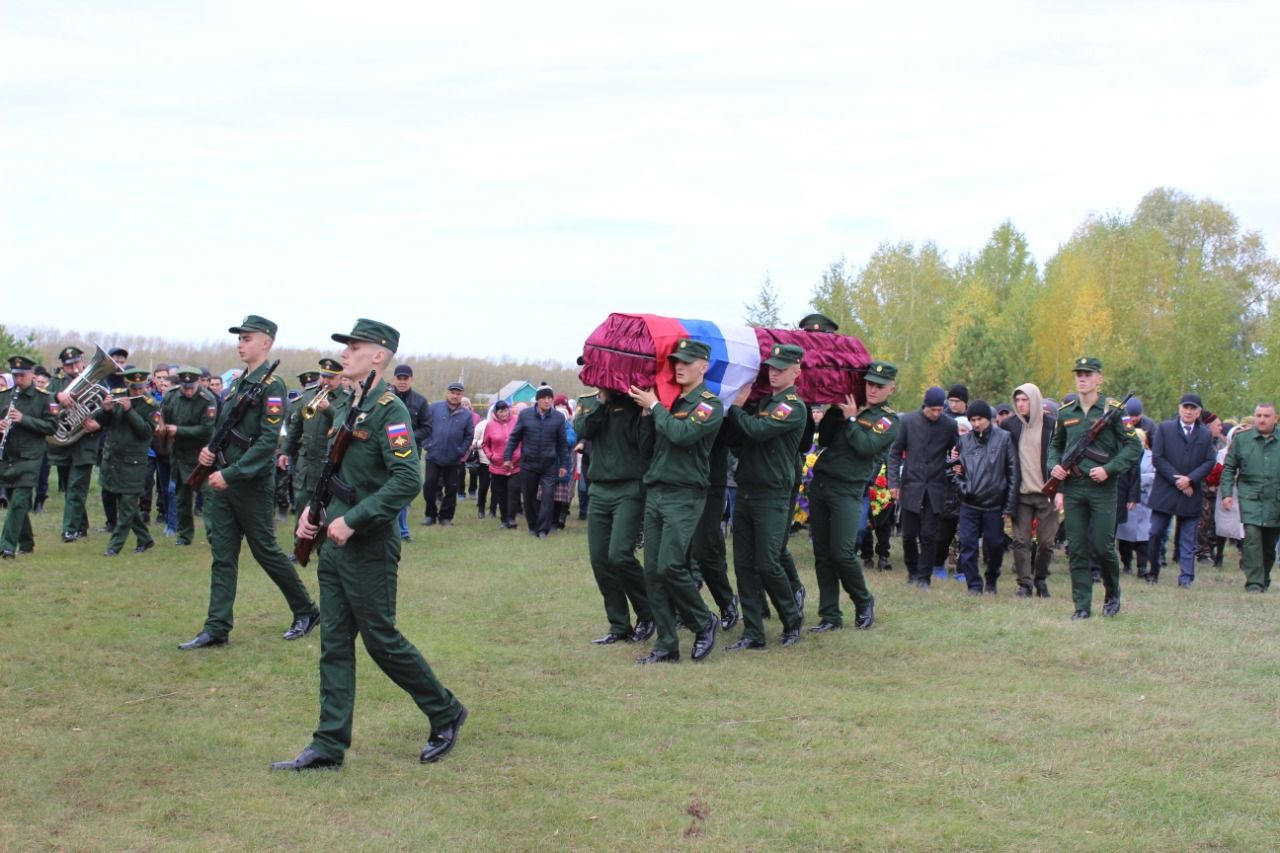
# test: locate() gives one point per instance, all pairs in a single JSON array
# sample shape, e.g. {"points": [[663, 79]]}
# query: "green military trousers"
{"points": [[708, 551], [671, 514], [16, 535], [1258, 553], [129, 518], [1091, 528], [358, 596], [180, 470], [614, 514], [244, 511], [835, 512], [75, 517], [760, 523]]}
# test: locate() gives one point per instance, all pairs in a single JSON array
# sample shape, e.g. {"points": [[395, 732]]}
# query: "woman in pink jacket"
{"points": [[493, 446]]}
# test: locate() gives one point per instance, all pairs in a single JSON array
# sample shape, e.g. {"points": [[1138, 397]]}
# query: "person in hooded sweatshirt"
{"points": [[1031, 428]]}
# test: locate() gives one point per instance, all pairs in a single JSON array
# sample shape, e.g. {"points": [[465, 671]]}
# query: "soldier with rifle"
{"points": [[1091, 445], [371, 472], [242, 451]]}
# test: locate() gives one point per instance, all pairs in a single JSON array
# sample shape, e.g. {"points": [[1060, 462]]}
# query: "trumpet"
{"points": [[313, 405]]}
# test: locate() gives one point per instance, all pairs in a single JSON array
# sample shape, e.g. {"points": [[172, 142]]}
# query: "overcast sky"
{"points": [[495, 178]]}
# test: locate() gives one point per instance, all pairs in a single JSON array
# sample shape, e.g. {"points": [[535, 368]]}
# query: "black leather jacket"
{"points": [[989, 480]]}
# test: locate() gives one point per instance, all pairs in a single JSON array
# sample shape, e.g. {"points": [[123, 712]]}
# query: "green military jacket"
{"points": [[261, 425], [26, 446], [1251, 471], [683, 439], [851, 450], [1119, 441], [380, 465], [194, 417], [124, 454], [766, 435], [306, 440], [621, 435], [84, 450]]}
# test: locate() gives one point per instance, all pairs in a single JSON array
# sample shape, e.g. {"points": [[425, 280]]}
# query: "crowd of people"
{"points": [[963, 481]]}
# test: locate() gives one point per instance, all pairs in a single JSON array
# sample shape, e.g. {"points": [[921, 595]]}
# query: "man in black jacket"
{"points": [[988, 479], [1031, 427], [1183, 454], [917, 477], [540, 431], [419, 422]]}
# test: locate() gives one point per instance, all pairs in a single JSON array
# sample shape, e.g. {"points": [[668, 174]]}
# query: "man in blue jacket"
{"points": [[543, 459], [448, 443]]}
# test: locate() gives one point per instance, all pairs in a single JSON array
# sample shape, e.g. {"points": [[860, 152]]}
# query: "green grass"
{"points": [[956, 724]]}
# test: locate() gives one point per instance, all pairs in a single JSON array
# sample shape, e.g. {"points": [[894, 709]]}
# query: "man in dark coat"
{"points": [[544, 457], [419, 422], [918, 480], [1183, 454]]}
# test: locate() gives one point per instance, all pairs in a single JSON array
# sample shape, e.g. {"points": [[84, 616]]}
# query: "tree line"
{"points": [[1174, 297]]}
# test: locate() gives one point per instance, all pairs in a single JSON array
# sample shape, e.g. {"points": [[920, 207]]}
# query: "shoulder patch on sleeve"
{"points": [[399, 437], [703, 411]]}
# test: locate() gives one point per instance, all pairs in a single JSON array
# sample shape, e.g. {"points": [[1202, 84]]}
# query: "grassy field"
{"points": [[956, 724]]}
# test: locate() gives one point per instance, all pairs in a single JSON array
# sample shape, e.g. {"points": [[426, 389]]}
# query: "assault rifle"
{"points": [[1082, 448], [330, 484], [226, 433]]}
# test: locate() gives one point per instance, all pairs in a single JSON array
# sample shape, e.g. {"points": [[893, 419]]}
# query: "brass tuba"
{"points": [[87, 396]]}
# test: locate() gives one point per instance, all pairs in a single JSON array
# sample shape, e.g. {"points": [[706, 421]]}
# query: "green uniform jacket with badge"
{"points": [[261, 425], [25, 449], [124, 455], [1255, 460], [84, 450], [682, 451], [307, 440], [1119, 441], [621, 436], [381, 462], [771, 427], [194, 417], [852, 451]]}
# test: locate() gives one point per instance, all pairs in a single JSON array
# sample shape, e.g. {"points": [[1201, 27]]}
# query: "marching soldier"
{"points": [[240, 506], [765, 435], [621, 436], [1090, 495], [127, 418], [358, 562], [187, 417], [24, 423], [77, 458], [853, 438], [677, 482]]}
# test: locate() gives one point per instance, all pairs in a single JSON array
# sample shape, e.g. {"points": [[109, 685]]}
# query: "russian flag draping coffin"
{"points": [[633, 349]]}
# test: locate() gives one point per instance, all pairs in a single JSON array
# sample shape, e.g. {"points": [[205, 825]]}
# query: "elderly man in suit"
{"points": [[1183, 454]]}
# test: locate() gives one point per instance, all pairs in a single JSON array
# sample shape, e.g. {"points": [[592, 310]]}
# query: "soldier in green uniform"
{"points": [[25, 421], [621, 435], [707, 551], [852, 438], [765, 435], [676, 488], [358, 562], [1089, 492], [306, 440], [187, 416], [1251, 474], [127, 419], [240, 504], [77, 458], [818, 323]]}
